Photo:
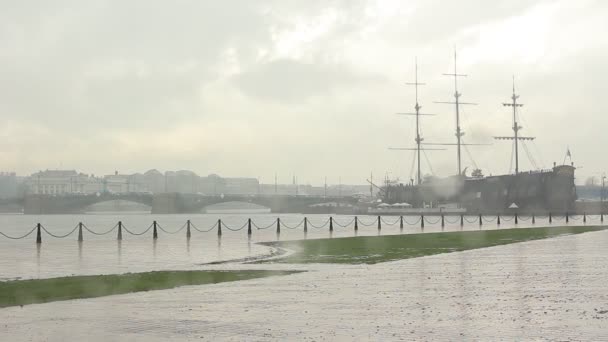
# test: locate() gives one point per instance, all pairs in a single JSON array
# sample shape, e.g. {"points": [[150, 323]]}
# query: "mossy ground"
{"points": [[375, 249], [22, 292]]}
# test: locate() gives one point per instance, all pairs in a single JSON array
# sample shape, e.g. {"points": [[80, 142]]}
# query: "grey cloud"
{"points": [[292, 81]]}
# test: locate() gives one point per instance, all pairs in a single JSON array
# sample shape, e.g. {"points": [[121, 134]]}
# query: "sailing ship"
{"points": [[540, 190]]}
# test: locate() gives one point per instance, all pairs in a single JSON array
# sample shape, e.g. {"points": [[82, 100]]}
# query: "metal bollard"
{"points": [[356, 224], [422, 221], [401, 222], [219, 227], [480, 221], [154, 231], [188, 232], [278, 225], [533, 219], [80, 232], [331, 224], [442, 221], [379, 223], [498, 219], [567, 217], [515, 218], [249, 227], [602, 217], [461, 220], [584, 217], [306, 225], [38, 234], [550, 218], [119, 237]]}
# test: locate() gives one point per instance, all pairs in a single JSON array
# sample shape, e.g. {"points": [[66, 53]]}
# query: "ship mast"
{"points": [[457, 103], [418, 139], [516, 127]]}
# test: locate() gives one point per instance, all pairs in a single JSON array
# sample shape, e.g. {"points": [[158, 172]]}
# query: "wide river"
{"points": [[103, 254]]}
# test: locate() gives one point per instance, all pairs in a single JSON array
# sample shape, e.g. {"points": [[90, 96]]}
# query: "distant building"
{"points": [[241, 186], [155, 181], [57, 182], [9, 185]]}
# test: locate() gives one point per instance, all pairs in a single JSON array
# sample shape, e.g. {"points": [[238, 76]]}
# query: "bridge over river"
{"points": [[174, 203]]}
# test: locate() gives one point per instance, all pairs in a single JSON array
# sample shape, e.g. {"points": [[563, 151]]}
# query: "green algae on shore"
{"points": [[375, 249], [32, 291]]}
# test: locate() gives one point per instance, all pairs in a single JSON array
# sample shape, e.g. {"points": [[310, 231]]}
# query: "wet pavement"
{"points": [[552, 289]]}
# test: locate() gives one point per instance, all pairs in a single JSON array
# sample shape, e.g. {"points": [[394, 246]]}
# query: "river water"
{"points": [[103, 254]]}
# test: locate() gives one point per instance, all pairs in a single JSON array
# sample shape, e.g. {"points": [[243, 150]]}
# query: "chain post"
{"points": [[38, 234]]}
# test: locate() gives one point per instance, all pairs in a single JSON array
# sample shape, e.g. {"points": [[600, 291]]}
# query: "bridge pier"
{"points": [[165, 203]]}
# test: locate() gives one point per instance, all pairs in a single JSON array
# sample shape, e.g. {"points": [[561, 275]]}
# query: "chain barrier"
{"points": [[19, 237], [58, 236], [283, 225], [224, 225], [493, 218], [168, 232], [202, 230], [412, 223], [318, 227], [137, 234], [475, 220], [430, 222], [262, 228], [362, 223], [95, 233], [452, 222], [388, 223], [344, 226], [446, 219]]}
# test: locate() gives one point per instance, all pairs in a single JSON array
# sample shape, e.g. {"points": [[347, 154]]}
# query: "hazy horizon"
{"points": [[299, 88]]}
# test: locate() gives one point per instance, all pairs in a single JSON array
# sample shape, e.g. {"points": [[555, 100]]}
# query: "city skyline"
{"points": [[297, 89]]}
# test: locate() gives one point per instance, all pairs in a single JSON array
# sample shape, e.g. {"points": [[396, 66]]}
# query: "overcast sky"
{"points": [[250, 88]]}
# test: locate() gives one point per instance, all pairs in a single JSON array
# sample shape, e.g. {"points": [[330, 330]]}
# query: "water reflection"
{"points": [[62, 258], [119, 250], [154, 242]]}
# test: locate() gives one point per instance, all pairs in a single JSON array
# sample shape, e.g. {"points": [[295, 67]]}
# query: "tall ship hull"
{"points": [[549, 190]]}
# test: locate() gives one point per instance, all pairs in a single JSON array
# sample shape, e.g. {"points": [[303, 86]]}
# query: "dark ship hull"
{"points": [[548, 191]]}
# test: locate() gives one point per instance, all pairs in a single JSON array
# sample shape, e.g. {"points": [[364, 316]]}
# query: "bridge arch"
{"points": [[235, 207], [118, 205]]}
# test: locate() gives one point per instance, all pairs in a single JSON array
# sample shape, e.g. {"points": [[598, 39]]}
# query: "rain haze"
{"points": [[282, 170], [254, 88]]}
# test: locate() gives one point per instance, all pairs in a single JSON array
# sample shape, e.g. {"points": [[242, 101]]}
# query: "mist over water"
{"points": [[105, 255]]}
